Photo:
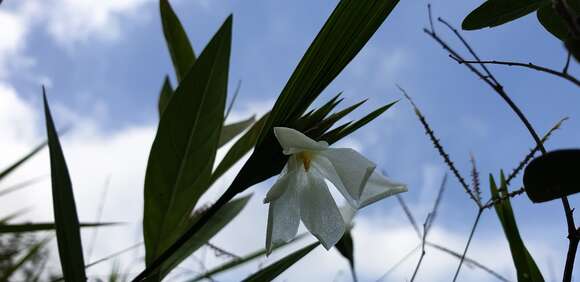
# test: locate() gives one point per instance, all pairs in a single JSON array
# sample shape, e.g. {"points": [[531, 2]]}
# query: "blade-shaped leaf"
{"points": [[164, 96], [347, 30], [43, 226], [178, 44], [230, 131], [66, 220], [526, 267], [240, 148], [32, 251], [243, 260], [497, 12], [346, 248], [224, 216], [276, 268], [21, 161], [183, 152]]}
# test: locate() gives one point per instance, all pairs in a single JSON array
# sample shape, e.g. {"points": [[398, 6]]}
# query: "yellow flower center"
{"points": [[306, 158]]}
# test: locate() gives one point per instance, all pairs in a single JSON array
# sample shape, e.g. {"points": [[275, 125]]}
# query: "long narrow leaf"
{"points": [[178, 44], [35, 227], [21, 161], [275, 269], [181, 158], [236, 262], [230, 131], [497, 12], [526, 267], [68, 234], [32, 252], [164, 96]]}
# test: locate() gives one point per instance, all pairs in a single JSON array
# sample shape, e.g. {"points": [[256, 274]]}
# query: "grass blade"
{"points": [[164, 96], [65, 214], [43, 226], [21, 161], [33, 250], [230, 131], [275, 269]]}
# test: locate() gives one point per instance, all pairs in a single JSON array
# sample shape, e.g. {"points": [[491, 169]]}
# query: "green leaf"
{"points": [[345, 247], [333, 136], [43, 226], [224, 216], [164, 96], [183, 152], [68, 234], [552, 22], [497, 12], [240, 148], [552, 175], [573, 46], [21, 161], [243, 260], [346, 31], [526, 267], [230, 131], [178, 44], [32, 251], [276, 268]]}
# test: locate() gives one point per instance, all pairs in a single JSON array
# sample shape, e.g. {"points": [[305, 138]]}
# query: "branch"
{"points": [[462, 259]]}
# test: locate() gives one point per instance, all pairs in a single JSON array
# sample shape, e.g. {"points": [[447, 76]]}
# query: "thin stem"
{"points": [[397, 264], [468, 243], [423, 241], [409, 215], [560, 74]]}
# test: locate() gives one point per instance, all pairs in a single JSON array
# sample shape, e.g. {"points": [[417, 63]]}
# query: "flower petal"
{"points": [[283, 217], [285, 182], [379, 187], [348, 213], [320, 213], [353, 169], [322, 166], [294, 141]]}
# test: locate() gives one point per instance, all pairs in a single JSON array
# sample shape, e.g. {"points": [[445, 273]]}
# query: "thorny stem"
{"points": [[561, 74], [489, 79], [468, 243]]}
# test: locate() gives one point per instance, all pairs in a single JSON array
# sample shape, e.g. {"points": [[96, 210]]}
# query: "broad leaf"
{"points": [[272, 271], [35, 227], [178, 44], [164, 96], [497, 12], [230, 131], [66, 220], [224, 216], [181, 158], [526, 267], [552, 175], [236, 262]]}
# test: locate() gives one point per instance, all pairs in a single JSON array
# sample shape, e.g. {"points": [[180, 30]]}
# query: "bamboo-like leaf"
{"points": [[43, 226], [22, 160], [181, 158], [65, 214], [240, 148], [164, 95], [236, 262], [178, 43], [497, 12], [347, 30], [272, 271], [32, 251], [230, 131], [526, 267], [224, 216]]}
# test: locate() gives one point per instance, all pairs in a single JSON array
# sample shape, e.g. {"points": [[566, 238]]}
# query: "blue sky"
{"points": [[104, 63]]}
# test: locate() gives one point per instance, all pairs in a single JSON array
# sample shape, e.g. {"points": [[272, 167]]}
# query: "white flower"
{"points": [[301, 191]]}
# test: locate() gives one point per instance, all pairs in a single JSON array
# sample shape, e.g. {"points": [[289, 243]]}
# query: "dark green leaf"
{"points": [[184, 149], [164, 95], [224, 216], [552, 175], [552, 22], [245, 259], [272, 271], [230, 131], [526, 267], [347, 30], [68, 234], [32, 251], [239, 149], [21, 161], [178, 44], [573, 46], [346, 248], [43, 226], [497, 12], [19, 186]]}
